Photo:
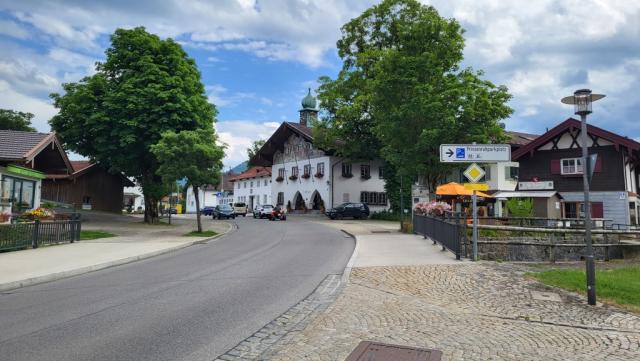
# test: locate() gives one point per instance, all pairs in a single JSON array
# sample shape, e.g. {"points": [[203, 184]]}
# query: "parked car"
{"points": [[278, 213], [207, 211], [353, 210], [223, 211], [240, 209], [262, 211]]}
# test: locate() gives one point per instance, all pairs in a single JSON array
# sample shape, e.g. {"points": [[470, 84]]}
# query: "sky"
{"points": [[258, 57]]}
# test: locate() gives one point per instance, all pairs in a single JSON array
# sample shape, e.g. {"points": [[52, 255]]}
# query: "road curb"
{"points": [[78, 271], [347, 269]]}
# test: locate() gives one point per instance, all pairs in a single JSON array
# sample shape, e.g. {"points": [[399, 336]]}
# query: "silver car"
{"points": [[262, 211]]}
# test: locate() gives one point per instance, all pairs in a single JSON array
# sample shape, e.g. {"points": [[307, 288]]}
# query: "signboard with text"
{"points": [[535, 186], [481, 153]]}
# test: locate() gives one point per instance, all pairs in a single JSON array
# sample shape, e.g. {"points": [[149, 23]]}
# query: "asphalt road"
{"points": [[192, 304]]}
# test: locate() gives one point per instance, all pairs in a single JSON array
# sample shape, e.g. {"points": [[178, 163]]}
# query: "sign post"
{"points": [[474, 200]]}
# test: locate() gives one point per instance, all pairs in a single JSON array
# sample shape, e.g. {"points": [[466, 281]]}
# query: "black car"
{"points": [[207, 211], [223, 211], [345, 210]]}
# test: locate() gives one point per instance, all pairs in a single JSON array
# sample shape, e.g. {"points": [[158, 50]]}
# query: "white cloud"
{"points": [[11, 28], [238, 135], [43, 111]]}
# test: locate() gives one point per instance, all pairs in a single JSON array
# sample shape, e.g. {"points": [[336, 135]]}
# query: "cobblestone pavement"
{"points": [[469, 311]]}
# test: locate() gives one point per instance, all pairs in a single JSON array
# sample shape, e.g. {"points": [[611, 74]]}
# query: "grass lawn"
{"points": [[201, 234], [620, 285], [94, 234]]}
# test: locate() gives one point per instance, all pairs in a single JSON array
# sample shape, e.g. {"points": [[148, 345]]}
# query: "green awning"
{"points": [[17, 170]]}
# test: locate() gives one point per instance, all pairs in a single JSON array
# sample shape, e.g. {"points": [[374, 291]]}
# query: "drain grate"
{"points": [[375, 351]]}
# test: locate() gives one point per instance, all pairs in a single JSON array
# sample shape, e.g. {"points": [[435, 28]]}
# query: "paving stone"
{"points": [[470, 311]]}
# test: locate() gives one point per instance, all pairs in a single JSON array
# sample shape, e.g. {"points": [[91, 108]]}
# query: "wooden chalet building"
{"points": [[34, 168], [552, 162], [88, 186]]}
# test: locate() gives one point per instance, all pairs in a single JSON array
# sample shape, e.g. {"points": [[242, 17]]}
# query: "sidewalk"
{"points": [[469, 310], [135, 241], [379, 243]]}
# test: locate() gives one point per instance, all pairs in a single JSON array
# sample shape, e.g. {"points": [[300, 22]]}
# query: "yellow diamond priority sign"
{"points": [[474, 173]]}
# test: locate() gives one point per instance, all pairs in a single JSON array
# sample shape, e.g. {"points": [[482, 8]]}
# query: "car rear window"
{"points": [[239, 205]]}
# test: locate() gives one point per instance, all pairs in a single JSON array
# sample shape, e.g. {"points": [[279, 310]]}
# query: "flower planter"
{"points": [[279, 179], [293, 177], [319, 175], [306, 176]]}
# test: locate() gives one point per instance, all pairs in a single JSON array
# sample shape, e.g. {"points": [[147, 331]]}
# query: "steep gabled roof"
{"points": [[19, 146], [519, 139], [571, 123], [277, 139], [14, 145]]}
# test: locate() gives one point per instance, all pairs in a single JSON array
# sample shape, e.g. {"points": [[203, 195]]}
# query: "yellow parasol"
{"points": [[455, 189]]}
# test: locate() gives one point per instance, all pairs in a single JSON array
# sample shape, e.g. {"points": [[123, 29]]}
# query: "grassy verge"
{"points": [[94, 234], [201, 234], [620, 286]]}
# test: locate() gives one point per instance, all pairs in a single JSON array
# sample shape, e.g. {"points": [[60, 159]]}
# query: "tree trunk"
{"points": [[150, 201], [196, 192]]}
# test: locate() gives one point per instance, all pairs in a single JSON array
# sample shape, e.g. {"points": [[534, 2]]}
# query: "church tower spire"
{"points": [[308, 113]]}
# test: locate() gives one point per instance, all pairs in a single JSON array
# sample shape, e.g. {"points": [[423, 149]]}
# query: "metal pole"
{"points": [[474, 199], [591, 271], [401, 205]]}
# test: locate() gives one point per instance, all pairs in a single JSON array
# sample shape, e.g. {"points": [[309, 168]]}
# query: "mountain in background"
{"points": [[240, 167]]}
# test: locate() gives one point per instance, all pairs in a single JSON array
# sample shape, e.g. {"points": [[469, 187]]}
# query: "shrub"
{"points": [[385, 216], [520, 207]]}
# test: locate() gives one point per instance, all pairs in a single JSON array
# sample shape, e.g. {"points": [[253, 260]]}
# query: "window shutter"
{"points": [[555, 166], [598, 167]]}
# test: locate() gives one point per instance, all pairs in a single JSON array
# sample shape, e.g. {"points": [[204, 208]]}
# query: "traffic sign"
{"points": [[482, 187], [474, 173], [484, 153]]}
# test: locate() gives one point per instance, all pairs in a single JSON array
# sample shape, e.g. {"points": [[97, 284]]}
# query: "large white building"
{"points": [[307, 178], [210, 195], [252, 187]]}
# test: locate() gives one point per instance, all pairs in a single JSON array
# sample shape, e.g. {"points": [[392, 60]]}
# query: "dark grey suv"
{"points": [[223, 211], [349, 210]]}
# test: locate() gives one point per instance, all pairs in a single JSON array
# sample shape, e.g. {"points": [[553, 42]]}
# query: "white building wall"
{"points": [[306, 187], [351, 188], [208, 198], [253, 191], [138, 202]]}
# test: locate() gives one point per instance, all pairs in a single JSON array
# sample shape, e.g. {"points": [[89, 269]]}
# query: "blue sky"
{"points": [[257, 58]]}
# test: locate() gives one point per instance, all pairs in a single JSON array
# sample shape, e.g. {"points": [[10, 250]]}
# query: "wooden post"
{"points": [[36, 233]]}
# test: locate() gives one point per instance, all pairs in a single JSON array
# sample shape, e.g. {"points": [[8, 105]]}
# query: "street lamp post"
{"points": [[582, 99]]}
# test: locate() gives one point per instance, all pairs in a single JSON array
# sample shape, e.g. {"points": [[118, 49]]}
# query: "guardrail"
{"points": [[446, 230], [39, 233]]}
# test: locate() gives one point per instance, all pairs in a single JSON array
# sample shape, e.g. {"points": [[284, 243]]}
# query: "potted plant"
{"points": [[279, 179], [319, 175], [293, 177], [306, 176]]}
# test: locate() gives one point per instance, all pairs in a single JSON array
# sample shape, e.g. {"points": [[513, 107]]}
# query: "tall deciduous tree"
{"points": [[13, 120], [193, 155], [255, 148], [401, 90], [145, 87]]}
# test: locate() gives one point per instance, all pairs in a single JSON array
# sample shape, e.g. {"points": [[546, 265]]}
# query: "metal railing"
{"points": [[39, 233], [575, 223], [446, 230]]}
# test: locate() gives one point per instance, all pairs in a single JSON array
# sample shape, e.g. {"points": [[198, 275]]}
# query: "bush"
{"points": [[385, 216], [520, 207]]}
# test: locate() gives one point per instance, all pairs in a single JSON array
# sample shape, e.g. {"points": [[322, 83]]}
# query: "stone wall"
{"points": [[533, 251]]}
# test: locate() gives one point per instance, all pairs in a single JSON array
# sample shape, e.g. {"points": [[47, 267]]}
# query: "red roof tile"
{"points": [[252, 172]]}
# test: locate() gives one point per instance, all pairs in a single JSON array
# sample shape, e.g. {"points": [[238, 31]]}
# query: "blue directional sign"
{"points": [[469, 153]]}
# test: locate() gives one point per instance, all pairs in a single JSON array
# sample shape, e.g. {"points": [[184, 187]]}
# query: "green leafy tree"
{"points": [[193, 155], [254, 149], [13, 120], [145, 87], [520, 207], [401, 92]]}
